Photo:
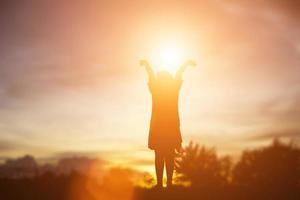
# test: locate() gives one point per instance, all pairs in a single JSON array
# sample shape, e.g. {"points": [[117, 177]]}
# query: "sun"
{"points": [[171, 57]]}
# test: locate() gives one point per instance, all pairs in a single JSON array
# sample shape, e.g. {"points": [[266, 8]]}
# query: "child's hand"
{"points": [[144, 63], [190, 63], [179, 149]]}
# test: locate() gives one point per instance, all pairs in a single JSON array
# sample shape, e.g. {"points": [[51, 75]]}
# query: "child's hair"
{"points": [[164, 80], [164, 76]]}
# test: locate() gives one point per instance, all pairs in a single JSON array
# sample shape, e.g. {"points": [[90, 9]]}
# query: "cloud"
{"points": [[250, 50], [287, 134], [7, 146], [19, 146], [3, 159], [283, 109], [71, 154], [288, 7], [64, 51], [139, 162]]}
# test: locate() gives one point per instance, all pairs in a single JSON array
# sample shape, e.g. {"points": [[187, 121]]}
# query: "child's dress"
{"points": [[164, 133]]}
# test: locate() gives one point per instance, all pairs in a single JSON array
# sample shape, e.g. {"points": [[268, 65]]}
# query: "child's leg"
{"points": [[159, 167], [170, 166]]}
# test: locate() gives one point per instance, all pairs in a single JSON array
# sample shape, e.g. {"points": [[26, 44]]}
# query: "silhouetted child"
{"points": [[164, 134]]}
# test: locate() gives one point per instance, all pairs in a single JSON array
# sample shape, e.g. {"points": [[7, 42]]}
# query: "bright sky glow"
{"points": [[70, 81], [171, 57]]}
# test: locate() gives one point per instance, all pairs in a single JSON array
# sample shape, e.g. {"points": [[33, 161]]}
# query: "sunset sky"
{"points": [[70, 80]]}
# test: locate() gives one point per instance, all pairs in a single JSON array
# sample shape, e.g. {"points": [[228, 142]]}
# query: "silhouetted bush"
{"points": [[275, 168], [269, 173], [202, 167], [272, 172]]}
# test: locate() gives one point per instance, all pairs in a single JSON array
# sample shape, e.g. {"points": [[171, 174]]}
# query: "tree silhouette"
{"points": [[272, 172], [276, 166], [202, 167]]}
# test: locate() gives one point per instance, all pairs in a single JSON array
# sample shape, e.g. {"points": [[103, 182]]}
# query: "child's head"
{"points": [[164, 77]]}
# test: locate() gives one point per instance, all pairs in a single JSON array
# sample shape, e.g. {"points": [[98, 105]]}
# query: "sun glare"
{"points": [[170, 58]]}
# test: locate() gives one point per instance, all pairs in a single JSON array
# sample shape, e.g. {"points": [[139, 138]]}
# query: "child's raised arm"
{"points": [[183, 67], [148, 68]]}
